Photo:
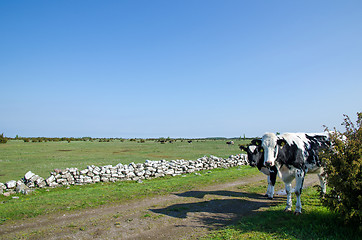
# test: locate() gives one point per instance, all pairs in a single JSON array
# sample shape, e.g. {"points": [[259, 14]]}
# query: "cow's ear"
{"points": [[244, 148], [281, 142], [256, 142]]}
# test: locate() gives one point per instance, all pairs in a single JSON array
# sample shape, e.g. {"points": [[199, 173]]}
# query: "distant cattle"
{"points": [[189, 141], [230, 143], [295, 154], [256, 159]]}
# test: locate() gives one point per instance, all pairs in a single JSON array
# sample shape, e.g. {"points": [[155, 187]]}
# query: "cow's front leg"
{"points": [[270, 191], [272, 179], [299, 178], [288, 190], [322, 181]]}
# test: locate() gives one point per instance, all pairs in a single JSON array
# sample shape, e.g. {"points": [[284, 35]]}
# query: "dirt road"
{"points": [[185, 215]]}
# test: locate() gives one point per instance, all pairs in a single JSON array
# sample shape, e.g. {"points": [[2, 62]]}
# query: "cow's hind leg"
{"points": [[298, 190], [288, 190]]}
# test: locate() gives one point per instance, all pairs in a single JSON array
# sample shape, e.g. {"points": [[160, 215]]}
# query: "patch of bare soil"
{"points": [[184, 215]]}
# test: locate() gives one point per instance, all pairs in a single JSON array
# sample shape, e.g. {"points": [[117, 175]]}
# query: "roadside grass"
{"points": [[316, 222], [63, 199], [17, 157]]}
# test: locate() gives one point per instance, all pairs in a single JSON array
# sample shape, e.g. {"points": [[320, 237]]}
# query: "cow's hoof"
{"points": [[297, 213], [287, 209], [266, 195], [270, 198]]}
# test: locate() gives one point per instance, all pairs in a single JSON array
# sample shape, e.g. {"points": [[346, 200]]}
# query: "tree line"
{"points": [[4, 139]]}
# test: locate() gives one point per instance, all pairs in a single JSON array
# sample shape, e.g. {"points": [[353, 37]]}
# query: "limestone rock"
{"points": [[22, 188], [28, 175], [50, 180], [7, 194], [11, 184], [2, 188]]}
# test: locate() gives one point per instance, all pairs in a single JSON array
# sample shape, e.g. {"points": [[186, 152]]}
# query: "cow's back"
{"points": [[302, 149]]}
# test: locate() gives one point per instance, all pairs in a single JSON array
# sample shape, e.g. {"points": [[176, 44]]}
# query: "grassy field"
{"points": [[17, 157]]}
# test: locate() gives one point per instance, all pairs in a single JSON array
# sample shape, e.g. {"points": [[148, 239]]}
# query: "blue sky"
{"points": [[198, 68]]}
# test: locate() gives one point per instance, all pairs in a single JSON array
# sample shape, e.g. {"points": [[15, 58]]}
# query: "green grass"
{"points": [[17, 157], [44, 201], [316, 222]]}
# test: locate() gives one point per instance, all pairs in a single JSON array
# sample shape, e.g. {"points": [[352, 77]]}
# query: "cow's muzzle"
{"points": [[269, 163]]}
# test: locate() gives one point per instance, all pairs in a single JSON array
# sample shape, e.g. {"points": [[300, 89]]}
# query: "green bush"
{"points": [[344, 168], [3, 139]]}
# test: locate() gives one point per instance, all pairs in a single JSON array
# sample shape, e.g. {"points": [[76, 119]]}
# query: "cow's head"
{"points": [[271, 144], [255, 152]]}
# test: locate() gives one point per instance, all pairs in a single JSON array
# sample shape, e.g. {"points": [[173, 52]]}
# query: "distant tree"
{"points": [[3, 139]]}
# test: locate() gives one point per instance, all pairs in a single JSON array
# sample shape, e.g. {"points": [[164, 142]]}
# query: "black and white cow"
{"points": [[230, 143], [295, 154], [256, 159]]}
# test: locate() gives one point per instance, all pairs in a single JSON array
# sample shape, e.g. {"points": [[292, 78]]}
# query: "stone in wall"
{"points": [[2, 188], [28, 175], [50, 180], [22, 188], [11, 184]]}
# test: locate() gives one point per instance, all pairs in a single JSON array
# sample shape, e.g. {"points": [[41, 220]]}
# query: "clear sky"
{"points": [[178, 68]]}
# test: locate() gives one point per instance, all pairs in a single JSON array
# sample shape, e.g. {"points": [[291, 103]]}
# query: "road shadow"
{"points": [[217, 212], [202, 194]]}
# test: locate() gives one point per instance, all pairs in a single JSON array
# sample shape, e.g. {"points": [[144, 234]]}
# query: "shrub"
{"points": [[344, 168], [3, 139]]}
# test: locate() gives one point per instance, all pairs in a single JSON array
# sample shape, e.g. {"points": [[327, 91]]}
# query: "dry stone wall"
{"points": [[129, 172]]}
